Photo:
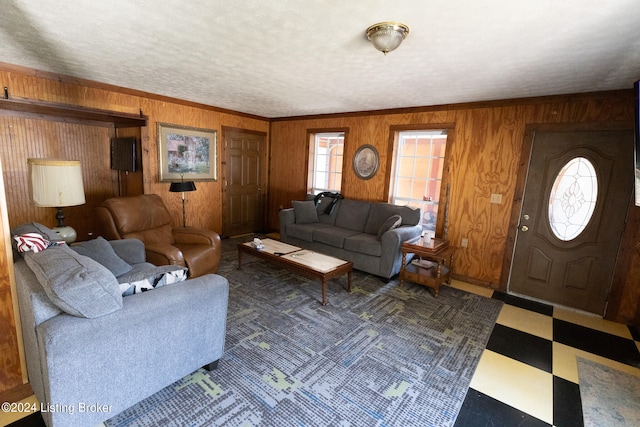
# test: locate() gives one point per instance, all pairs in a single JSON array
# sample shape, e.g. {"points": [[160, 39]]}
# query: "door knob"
{"points": [[524, 228]]}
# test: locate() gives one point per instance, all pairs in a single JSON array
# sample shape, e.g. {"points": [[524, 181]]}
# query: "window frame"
{"points": [[311, 156], [442, 219]]}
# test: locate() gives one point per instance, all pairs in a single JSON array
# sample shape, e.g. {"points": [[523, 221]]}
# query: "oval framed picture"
{"points": [[366, 161]]}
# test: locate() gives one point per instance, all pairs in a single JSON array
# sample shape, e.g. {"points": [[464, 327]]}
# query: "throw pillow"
{"points": [[34, 227], [392, 222], [305, 212], [101, 251], [146, 279], [75, 283], [33, 242]]}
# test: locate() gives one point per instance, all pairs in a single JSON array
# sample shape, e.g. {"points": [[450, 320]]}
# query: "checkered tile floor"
{"points": [[528, 374]]}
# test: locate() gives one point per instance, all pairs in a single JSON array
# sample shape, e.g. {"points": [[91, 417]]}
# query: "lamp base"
{"points": [[66, 233]]}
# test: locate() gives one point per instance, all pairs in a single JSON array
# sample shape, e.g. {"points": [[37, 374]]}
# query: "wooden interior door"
{"points": [[244, 181], [573, 269]]}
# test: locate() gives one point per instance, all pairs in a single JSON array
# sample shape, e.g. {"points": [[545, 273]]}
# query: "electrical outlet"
{"points": [[496, 198], [464, 242]]}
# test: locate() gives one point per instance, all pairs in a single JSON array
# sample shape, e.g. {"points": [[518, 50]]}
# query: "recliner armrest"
{"points": [[164, 254], [196, 236]]}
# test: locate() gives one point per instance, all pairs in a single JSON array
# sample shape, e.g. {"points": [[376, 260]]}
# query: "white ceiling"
{"points": [[300, 57]]}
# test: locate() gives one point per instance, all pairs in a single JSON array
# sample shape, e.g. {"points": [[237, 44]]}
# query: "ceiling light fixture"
{"points": [[387, 36]]}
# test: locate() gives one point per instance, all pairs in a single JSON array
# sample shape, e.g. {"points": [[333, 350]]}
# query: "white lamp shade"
{"points": [[55, 183]]}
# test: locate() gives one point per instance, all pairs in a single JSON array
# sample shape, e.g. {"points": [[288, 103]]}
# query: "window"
{"points": [[417, 176], [325, 161], [573, 198]]}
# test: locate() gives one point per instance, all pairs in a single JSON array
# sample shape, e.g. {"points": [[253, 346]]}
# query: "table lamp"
{"points": [[181, 187], [55, 183]]}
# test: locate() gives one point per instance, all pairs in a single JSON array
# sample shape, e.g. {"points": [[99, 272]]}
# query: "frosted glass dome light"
{"points": [[387, 36]]}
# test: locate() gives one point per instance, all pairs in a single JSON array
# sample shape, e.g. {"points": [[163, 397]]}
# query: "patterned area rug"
{"points": [[378, 356], [609, 397]]}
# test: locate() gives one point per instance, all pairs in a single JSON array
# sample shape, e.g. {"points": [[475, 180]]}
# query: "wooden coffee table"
{"points": [[300, 261]]}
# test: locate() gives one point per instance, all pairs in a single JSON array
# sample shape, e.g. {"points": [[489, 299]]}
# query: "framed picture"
{"points": [[188, 152], [366, 161]]}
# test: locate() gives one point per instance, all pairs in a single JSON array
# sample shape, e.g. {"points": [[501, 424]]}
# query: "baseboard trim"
{"points": [[16, 393]]}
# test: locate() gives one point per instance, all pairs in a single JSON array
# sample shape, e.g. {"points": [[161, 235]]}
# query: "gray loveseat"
{"points": [[368, 234], [113, 351]]}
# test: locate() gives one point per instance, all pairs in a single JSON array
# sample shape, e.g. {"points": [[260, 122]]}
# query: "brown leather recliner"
{"points": [[146, 218]]}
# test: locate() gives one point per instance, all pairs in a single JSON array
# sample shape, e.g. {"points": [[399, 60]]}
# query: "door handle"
{"points": [[524, 228]]}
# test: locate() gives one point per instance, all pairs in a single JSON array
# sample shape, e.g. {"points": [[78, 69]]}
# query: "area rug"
{"points": [[378, 356], [609, 397]]}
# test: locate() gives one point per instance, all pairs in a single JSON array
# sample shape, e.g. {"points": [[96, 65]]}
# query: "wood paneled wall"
{"points": [[483, 157], [23, 137]]}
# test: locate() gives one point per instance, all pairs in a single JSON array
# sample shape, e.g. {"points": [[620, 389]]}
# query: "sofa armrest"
{"points": [[164, 254], [196, 236], [114, 360], [287, 216], [130, 250], [396, 237], [391, 259]]}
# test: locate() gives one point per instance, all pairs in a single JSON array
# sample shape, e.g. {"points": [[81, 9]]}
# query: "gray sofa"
{"points": [[368, 234], [113, 351]]}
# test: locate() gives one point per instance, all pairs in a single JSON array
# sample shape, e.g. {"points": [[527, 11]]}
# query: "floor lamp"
{"points": [[55, 183], [181, 187]]}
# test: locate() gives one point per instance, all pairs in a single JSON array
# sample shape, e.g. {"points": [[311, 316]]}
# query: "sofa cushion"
{"points": [[353, 214], [392, 222], [150, 277], [364, 243], [102, 252], [75, 283], [304, 231], [305, 211], [381, 211], [333, 236]]}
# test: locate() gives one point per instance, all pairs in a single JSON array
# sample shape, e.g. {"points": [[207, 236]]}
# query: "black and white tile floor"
{"points": [[528, 374]]}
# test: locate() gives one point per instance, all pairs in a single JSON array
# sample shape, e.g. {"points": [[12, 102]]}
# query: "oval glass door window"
{"points": [[573, 198]]}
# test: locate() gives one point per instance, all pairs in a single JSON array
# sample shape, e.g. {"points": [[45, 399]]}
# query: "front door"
{"points": [[574, 204], [244, 177]]}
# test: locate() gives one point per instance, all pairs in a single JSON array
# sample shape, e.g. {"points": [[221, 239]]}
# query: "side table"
{"points": [[433, 266]]}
